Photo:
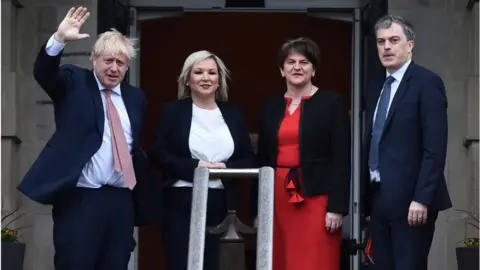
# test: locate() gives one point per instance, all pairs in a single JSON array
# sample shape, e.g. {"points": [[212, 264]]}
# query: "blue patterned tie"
{"points": [[379, 123]]}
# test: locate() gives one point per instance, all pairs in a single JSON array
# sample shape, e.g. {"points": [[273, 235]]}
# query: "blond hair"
{"points": [[114, 42], [184, 91]]}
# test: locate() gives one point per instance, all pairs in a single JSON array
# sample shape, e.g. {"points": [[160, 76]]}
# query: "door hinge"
{"points": [[354, 246]]}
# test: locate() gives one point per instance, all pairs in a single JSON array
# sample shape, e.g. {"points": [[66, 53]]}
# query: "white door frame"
{"points": [[140, 13], [287, 5], [357, 123]]}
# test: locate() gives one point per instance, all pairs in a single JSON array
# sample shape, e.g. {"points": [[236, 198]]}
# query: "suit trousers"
{"points": [[176, 227], [93, 229], [397, 245]]}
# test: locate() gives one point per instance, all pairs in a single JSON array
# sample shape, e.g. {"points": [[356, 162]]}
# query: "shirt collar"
{"points": [[116, 89], [398, 75]]}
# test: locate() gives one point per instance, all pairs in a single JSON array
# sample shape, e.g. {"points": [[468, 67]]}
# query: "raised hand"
{"points": [[69, 28]]}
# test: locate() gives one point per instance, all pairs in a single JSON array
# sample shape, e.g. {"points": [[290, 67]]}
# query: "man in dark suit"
{"points": [[406, 141], [92, 170]]}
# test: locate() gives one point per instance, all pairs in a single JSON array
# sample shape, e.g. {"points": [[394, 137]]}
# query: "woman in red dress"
{"points": [[305, 136]]}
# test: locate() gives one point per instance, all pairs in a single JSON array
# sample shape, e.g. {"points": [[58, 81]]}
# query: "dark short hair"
{"points": [[387, 20], [303, 46]]}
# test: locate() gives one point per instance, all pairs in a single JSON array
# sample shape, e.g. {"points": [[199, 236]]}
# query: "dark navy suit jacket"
{"points": [[170, 152], [79, 121], [413, 145]]}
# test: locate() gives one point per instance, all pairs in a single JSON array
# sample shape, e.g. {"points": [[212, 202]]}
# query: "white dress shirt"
{"points": [[398, 75], [210, 140], [100, 169]]}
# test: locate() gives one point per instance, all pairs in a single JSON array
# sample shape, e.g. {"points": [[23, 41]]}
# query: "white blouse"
{"points": [[210, 140]]}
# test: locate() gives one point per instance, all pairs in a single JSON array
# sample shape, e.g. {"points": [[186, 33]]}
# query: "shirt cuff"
{"points": [[54, 47]]}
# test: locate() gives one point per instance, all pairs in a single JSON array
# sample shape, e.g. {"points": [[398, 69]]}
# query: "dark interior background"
{"points": [[248, 44]]}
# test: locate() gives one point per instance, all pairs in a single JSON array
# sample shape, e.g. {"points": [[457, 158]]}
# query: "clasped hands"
{"points": [[213, 165]]}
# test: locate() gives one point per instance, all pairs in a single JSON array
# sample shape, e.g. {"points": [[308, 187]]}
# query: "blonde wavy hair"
{"points": [[114, 42], [184, 91]]}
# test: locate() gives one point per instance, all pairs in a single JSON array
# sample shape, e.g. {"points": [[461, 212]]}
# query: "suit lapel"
{"points": [[277, 114], [97, 102], [184, 123], [129, 101], [227, 117], [402, 89], [375, 94]]}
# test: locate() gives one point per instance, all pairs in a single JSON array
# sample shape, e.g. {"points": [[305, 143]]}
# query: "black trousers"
{"points": [[178, 202], [397, 245], [93, 229]]}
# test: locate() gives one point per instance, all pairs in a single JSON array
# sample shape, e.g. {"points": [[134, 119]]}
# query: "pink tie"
{"points": [[121, 155]]}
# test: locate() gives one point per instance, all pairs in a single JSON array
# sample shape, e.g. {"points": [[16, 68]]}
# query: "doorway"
{"points": [[248, 44]]}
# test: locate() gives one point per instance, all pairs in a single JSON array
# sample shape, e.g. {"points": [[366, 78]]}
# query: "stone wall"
{"points": [[447, 43], [27, 114]]}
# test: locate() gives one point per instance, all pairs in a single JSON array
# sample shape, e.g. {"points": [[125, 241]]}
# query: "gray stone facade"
{"points": [[447, 43], [27, 115]]}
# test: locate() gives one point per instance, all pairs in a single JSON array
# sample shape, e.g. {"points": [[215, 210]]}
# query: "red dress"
{"points": [[300, 239]]}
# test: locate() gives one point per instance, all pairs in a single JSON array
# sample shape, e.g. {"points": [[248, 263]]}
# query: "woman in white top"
{"points": [[199, 129]]}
